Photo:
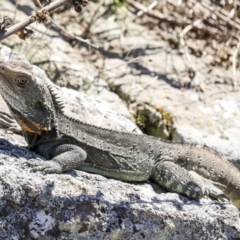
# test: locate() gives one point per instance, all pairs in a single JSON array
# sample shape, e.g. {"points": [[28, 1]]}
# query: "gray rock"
{"points": [[79, 205]]}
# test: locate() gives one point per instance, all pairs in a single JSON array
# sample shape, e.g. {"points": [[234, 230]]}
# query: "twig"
{"points": [[121, 64], [93, 18], [64, 31], [221, 15], [42, 12], [37, 50], [151, 6], [156, 14], [234, 61], [37, 3], [69, 35], [15, 10], [187, 29]]}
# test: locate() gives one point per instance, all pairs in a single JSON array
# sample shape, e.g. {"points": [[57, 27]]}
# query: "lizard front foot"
{"points": [[43, 166], [6, 120]]}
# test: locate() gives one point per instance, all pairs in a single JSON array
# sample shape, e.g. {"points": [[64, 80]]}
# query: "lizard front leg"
{"points": [[61, 158]]}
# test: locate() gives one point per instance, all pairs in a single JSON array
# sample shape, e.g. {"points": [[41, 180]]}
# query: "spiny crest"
{"points": [[112, 131], [59, 103], [214, 151]]}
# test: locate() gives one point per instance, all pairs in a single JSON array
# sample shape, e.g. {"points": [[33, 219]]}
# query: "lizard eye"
{"points": [[21, 81]]}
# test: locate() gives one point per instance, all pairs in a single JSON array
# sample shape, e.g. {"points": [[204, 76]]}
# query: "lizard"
{"points": [[68, 143]]}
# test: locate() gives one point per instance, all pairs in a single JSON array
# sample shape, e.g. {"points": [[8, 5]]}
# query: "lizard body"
{"points": [[71, 144]]}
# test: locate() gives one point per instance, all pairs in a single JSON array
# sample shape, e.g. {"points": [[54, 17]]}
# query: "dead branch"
{"points": [[156, 14], [234, 60], [65, 32], [71, 36], [40, 14], [206, 28], [94, 16]]}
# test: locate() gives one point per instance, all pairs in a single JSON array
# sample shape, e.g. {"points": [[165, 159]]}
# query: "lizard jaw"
{"points": [[31, 127]]}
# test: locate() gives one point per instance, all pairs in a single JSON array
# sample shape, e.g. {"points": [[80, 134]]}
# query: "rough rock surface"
{"points": [[79, 205]]}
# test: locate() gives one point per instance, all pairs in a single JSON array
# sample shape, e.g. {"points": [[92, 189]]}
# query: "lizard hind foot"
{"points": [[43, 166], [214, 191]]}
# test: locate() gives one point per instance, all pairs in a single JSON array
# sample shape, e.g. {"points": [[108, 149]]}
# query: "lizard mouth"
{"points": [[28, 124], [31, 127]]}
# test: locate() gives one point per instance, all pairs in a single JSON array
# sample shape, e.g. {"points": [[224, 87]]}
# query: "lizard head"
{"points": [[25, 91]]}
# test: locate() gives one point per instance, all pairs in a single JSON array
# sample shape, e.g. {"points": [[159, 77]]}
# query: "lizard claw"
{"points": [[214, 191], [6, 120], [43, 166], [223, 198]]}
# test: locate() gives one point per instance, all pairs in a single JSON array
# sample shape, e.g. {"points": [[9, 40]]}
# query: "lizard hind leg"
{"points": [[177, 179]]}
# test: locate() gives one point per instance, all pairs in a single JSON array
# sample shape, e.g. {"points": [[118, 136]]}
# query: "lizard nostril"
{"points": [[38, 105]]}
